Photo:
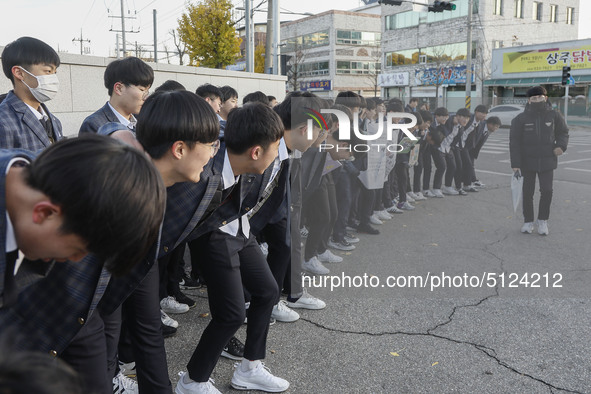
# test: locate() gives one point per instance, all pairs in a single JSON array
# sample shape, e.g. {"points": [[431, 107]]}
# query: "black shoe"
{"points": [[367, 229], [183, 299], [234, 349], [188, 283], [167, 331]]}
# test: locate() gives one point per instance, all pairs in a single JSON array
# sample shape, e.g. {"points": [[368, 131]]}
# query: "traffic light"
{"points": [[390, 2], [440, 6], [565, 75]]}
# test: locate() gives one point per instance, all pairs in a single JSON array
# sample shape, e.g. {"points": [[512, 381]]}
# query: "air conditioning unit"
{"points": [[422, 59]]}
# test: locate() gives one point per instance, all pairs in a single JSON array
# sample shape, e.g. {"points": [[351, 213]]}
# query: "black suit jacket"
{"points": [[93, 122]]}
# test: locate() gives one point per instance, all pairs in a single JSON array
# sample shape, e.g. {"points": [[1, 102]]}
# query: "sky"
{"points": [[57, 22]]}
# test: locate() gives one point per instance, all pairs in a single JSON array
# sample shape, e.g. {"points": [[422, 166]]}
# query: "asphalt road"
{"points": [[503, 337]]}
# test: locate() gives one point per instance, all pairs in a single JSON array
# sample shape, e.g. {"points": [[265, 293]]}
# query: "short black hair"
{"points": [[209, 91], [167, 117], [170, 85], [251, 125], [295, 108], [344, 109], [494, 120], [228, 92], [419, 118], [394, 106], [426, 115], [129, 71], [271, 98], [465, 112], [26, 52], [349, 99], [414, 99], [110, 194], [481, 108], [338, 136], [370, 104], [441, 111], [257, 96]]}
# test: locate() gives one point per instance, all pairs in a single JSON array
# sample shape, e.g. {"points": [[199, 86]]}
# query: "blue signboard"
{"points": [[315, 85], [442, 76]]}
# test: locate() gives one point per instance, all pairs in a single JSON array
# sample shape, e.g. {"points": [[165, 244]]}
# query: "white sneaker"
{"points": [[329, 257], [264, 248], [383, 215], [351, 238], [406, 206], [128, 369], [478, 184], [281, 312], [171, 305], [307, 301], [437, 193], [167, 320], [373, 219], [394, 209], [188, 386], [124, 385], [527, 228], [419, 196], [314, 266], [543, 227], [429, 193], [258, 378], [410, 197], [449, 190]]}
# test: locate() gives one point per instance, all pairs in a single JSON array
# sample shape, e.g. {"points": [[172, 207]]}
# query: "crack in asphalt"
{"points": [[489, 352]]}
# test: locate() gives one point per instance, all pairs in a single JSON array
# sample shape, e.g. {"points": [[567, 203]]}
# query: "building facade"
{"points": [[425, 53], [333, 51]]}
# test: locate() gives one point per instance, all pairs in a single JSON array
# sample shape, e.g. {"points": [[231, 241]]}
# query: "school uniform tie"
{"points": [[10, 291], [46, 123]]}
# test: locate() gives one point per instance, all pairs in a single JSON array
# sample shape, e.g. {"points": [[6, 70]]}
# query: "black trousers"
{"points": [[228, 264], [418, 170], [402, 179], [141, 332], [343, 194], [529, 184], [438, 157], [467, 173], [451, 167], [321, 211], [365, 203], [87, 354], [278, 238]]}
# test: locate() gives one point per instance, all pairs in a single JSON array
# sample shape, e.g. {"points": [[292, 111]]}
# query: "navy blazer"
{"points": [[19, 128], [93, 122], [5, 157]]}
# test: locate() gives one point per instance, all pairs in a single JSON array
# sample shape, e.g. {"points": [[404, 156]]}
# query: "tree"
{"points": [[373, 75], [259, 59], [295, 66], [181, 48], [208, 31]]}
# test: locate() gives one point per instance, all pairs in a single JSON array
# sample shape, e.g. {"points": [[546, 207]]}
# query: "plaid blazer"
{"points": [[93, 122], [182, 200], [5, 157], [19, 128]]}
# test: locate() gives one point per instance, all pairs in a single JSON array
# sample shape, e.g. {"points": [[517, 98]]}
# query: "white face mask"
{"points": [[47, 86]]}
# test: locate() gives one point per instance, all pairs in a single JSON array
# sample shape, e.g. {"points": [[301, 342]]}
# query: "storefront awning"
{"points": [[534, 81]]}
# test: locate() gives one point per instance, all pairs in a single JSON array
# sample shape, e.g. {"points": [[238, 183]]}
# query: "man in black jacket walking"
{"points": [[538, 136]]}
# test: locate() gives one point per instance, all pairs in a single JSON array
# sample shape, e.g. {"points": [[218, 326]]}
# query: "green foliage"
{"points": [[208, 31]]}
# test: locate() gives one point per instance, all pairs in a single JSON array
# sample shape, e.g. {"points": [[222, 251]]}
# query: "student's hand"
{"points": [[558, 151]]}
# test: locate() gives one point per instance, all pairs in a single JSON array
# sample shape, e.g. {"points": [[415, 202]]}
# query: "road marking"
{"points": [[505, 161], [494, 173], [492, 152], [574, 161], [584, 151], [575, 169]]}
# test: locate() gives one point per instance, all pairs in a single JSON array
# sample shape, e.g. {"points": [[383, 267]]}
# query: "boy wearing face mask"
{"points": [[25, 121], [538, 136]]}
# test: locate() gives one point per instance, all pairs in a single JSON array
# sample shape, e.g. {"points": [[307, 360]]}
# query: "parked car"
{"points": [[506, 112]]}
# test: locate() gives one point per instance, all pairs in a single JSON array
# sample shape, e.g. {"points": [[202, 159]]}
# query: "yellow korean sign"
{"points": [[552, 59]]}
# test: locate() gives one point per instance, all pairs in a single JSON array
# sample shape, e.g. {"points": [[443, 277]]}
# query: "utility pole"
{"points": [[247, 32], [82, 40], [123, 26], [469, 56], [270, 43], [276, 38], [155, 39], [117, 44]]}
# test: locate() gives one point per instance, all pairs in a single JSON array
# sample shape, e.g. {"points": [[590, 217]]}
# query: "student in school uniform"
{"points": [[25, 120], [128, 83]]}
